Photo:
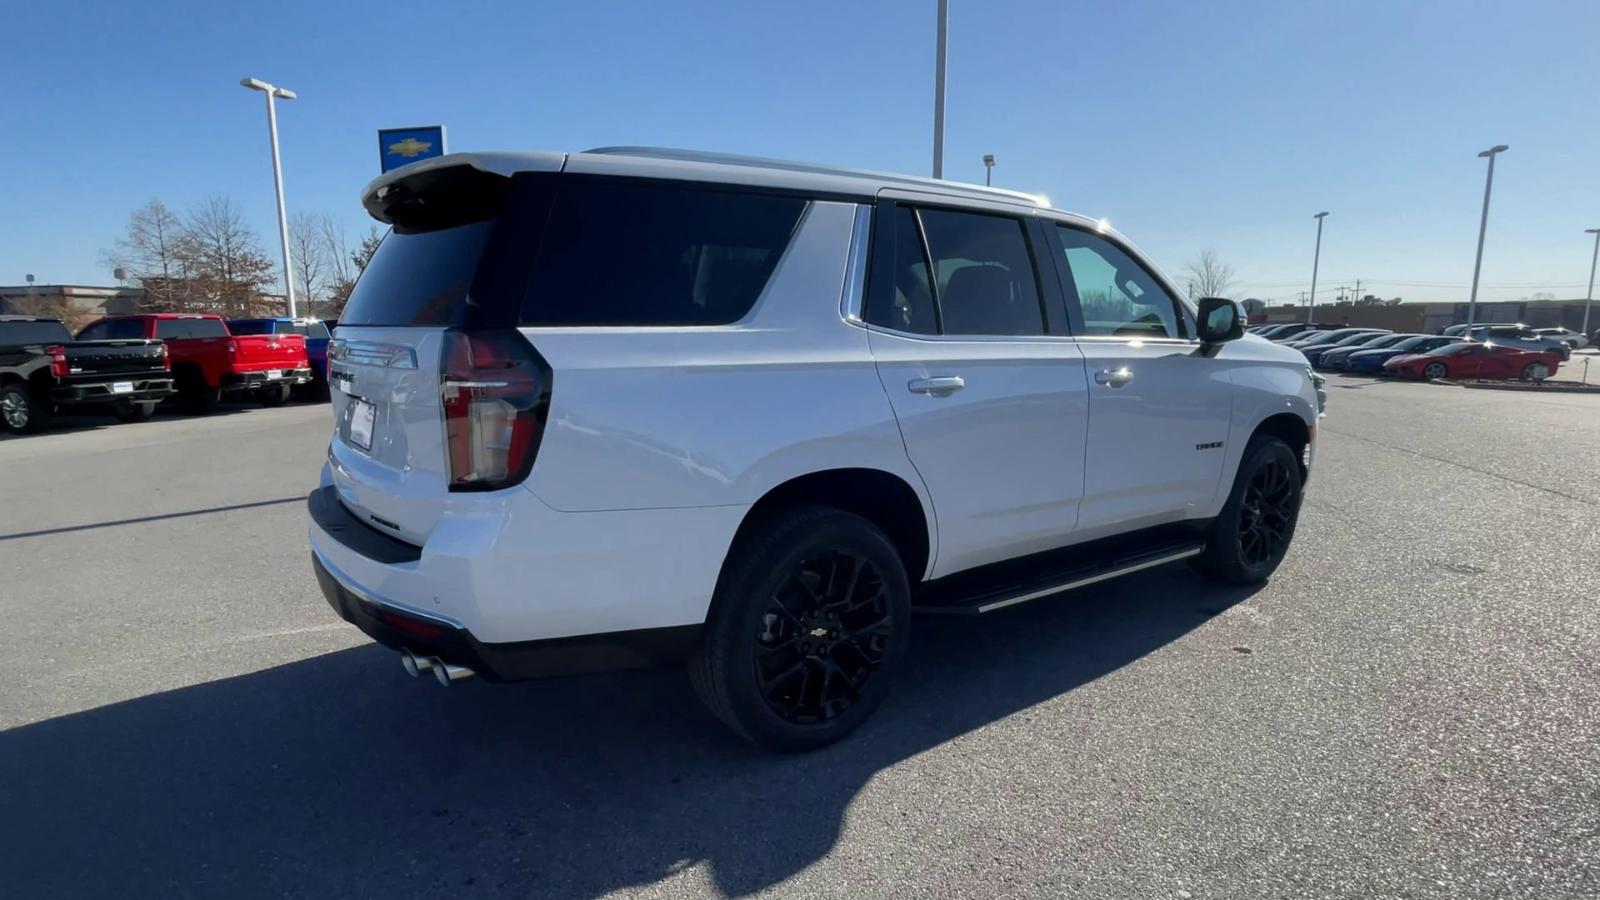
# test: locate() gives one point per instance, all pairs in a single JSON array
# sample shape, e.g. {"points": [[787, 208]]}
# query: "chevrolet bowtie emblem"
{"points": [[410, 147]]}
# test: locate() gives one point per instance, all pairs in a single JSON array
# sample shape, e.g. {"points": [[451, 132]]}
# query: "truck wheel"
{"points": [[134, 411], [1249, 538], [276, 395], [807, 629], [196, 397], [20, 411]]}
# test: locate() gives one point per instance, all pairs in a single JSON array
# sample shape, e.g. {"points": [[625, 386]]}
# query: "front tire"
{"points": [[807, 630], [1435, 371], [132, 411], [1250, 536], [276, 395]]}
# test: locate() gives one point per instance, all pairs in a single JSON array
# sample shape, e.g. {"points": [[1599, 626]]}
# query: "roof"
{"points": [[694, 165], [14, 318]]}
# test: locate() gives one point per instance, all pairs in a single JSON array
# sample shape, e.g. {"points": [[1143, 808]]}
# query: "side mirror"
{"points": [[1219, 321]]}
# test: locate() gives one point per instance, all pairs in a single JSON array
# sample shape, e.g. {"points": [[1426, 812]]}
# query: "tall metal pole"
{"points": [[938, 90], [1483, 225], [1316, 260], [1588, 299], [283, 218]]}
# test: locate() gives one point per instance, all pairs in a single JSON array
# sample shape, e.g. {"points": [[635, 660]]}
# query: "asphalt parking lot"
{"points": [[1410, 708]]}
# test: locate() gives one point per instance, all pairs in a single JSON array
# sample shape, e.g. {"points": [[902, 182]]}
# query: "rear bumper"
{"points": [[520, 590], [105, 392], [254, 381], [400, 628]]}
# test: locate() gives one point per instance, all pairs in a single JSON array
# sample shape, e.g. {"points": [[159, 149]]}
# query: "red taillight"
{"points": [[495, 390], [58, 361], [166, 358]]}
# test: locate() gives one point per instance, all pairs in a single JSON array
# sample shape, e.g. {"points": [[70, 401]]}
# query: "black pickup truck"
{"points": [[42, 368]]}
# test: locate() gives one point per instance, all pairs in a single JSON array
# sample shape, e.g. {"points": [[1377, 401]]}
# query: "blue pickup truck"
{"points": [[316, 333]]}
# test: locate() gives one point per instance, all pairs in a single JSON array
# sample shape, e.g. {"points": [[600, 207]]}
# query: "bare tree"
{"points": [[156, 253], [1209, 276], [310, 261], [228, 264]]}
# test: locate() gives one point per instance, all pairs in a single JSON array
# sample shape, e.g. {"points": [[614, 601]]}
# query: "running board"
{"points": [[967, 595]]}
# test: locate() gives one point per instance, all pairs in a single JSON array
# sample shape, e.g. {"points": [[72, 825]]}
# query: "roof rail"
{"points": [[758, 162]]}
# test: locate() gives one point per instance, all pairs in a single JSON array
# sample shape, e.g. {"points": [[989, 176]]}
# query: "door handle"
{"points": [[938, 386], [1113, 377]]}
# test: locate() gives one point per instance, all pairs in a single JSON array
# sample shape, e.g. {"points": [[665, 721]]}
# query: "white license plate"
{"points": [[274, 374], [362, 416], [121, 387]]}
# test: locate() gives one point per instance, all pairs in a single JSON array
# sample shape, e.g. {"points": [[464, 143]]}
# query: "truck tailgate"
{"points": [[255, 352], [129, 357]]}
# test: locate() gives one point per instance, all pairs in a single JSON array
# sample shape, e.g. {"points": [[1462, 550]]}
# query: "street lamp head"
{"points": [[988, 159], [1320, 214], [283, 93], [1591, 231], [1497, 148], [255, 84]]}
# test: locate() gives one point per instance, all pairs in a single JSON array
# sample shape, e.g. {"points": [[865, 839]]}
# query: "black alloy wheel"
{"points": [[823, 636], [1267, 512]]}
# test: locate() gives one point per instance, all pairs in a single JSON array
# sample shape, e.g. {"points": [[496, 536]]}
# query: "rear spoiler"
{"points": [[454, 188]]}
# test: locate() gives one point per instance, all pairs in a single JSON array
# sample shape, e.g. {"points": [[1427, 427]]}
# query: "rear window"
{"points": [[114, 330], [246, 326], [573, 251], [619, 253], [179, 329], [33, 333]]}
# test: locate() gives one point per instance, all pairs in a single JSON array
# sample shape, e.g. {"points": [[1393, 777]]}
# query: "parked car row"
{"points": [[130, 364], [1483, 351]]}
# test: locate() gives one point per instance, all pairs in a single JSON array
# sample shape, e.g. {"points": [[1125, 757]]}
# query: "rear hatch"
{"points": [[256, 352], [443, 267]]}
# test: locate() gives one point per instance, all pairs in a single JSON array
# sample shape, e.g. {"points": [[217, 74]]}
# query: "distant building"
{"points": [[85, 300]]}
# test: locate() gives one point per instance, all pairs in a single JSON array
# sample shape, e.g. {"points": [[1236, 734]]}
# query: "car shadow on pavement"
{"points": [[339, 776]]}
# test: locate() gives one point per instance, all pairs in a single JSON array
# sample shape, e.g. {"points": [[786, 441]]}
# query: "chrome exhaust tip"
{"points": [[446, 673], [415, 665]]}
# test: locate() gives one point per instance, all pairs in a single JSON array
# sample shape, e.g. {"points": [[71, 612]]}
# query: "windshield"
{"points": [[48, 331], [1415, 343]]}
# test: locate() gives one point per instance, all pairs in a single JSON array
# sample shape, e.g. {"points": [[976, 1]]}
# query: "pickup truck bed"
{"points": [[42, 369]]}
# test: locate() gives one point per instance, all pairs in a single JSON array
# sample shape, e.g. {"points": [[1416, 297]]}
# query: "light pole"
{"points": [[1316, 259], [272, 92], [1588, 298], [1483, 225], [988, 169], [938, 90]]}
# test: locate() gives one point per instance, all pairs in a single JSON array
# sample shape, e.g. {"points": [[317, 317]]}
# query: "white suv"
{"points": [[629, 407]]}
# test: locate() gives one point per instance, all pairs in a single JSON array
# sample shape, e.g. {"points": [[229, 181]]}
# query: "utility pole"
{"points": [[938, 90], [1311, 304], [1358, 290]]}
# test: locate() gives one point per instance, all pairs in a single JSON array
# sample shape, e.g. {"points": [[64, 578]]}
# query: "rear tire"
{"points": [[808, 628], [20, 411], [195, 397], [1435, 371], [1249, 538], [134, 411], [276, 395], [1532, 372]]}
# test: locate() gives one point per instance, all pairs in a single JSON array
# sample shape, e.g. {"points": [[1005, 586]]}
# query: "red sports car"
{"points": [[1475, 360]]}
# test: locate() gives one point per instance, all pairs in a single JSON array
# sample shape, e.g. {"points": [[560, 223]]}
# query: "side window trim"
{"points": [[927, 264], [1074, 302]]}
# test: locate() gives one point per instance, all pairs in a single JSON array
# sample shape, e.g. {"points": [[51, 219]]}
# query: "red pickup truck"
{"points": [[208, 362]]}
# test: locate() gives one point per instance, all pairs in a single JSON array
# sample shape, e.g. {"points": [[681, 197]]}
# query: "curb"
{"points": [[1547, 387]]}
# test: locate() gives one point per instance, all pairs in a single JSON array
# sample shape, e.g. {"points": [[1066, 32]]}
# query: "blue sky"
{"points": [[1189, 125]]}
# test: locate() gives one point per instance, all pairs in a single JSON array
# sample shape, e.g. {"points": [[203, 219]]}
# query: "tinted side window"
{"points": [[316, 330], [620, 253], [207, 328], [1115, 295], [172, 329], [984, 280], [911, 308]]}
